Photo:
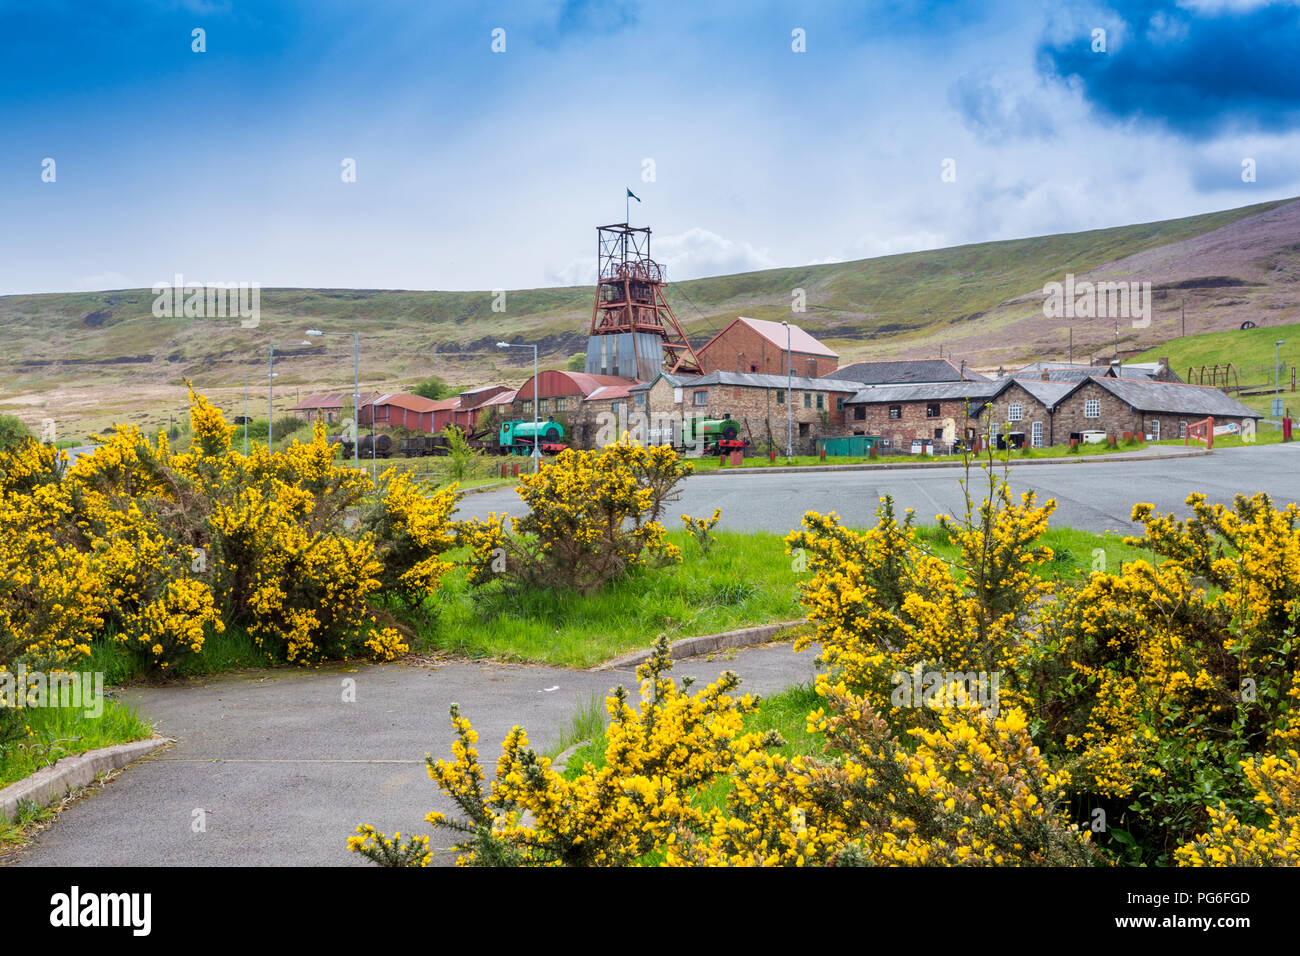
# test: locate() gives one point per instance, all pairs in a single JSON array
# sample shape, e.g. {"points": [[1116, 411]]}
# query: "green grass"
{"points": [[1250, 350], [230, 650], [746, 579], [63, 731]]}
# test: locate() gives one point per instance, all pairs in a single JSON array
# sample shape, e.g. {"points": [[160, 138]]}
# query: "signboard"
{"points": [[1231, 428], [1277, 407]]}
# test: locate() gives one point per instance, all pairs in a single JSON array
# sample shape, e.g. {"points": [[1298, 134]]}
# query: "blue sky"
{"points": [[480, 170]]}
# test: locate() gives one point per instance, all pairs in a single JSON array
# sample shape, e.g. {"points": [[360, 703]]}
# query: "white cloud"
{"points": [[101, 281], [692, 254]]}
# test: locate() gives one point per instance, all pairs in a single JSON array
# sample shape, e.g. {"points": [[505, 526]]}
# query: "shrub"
{"points": [[13, 433], [462, 458], [530, 815], [700, 528], [1166, 697], [164, 549], [433, 388], [592, 515]]}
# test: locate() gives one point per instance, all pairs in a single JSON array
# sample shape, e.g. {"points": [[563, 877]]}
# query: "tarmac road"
{"points": [[1091, 494], [284, 770]]}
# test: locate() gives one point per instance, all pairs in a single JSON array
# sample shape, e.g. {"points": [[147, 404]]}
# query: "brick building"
{"points": [[757, 346]]}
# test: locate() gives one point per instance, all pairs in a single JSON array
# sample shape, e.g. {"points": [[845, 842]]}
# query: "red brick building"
{"points": [[759, 346]]}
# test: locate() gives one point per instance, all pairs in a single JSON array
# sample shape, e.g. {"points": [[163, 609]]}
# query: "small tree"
{"points": [[433, 388], [462, 457]]}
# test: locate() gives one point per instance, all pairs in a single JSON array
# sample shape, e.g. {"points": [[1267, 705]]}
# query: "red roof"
{"points": [[555, 383], [775, 332], [412, 403]]}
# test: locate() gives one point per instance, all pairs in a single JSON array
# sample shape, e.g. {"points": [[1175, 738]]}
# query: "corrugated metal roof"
{"points": [[905, 372], [606, 392], [412, 403], [775, 332]]}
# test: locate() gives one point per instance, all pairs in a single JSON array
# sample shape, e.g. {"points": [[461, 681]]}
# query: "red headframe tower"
{"points": [[633, 331]]}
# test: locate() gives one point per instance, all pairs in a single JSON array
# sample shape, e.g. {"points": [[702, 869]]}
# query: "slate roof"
{"points": [[760, 380], [928, 392], [1176, 398], [912, 371]]}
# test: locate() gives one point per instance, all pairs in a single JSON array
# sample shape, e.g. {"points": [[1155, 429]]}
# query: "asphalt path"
{"points": [[1091, 494], [283, 769]]}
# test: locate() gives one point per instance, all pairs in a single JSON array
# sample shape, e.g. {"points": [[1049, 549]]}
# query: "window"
{"points": [[1153, 428], [859, 413], [821, 401], [932, 410], [1038, 435], [560, 404], [839, 403], [895, 411], [1092, 408], [637, 399], [541, 406], [1015, 412], [938, 434], [528, 407], [1182, 429], [701, 398], [804, 429], [780, 396], [677, 396], [807, 399]]}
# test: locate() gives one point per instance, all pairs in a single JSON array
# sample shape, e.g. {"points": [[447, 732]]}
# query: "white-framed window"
{"points": [[677, 396], [701, 398], [541, 406], [1092, 408], [1037, 435], [1015, 412], [1182, 429], [559, 404], [1153, 429]]}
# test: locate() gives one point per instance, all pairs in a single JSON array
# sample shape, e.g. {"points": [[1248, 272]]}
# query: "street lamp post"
{"points": [[537, 447], [789, 397], [1277, 379], [356, 397], [270, 403]]}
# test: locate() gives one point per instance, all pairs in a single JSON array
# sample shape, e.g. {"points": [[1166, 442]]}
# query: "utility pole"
{"points": [[789, 397], [1184, 311]]}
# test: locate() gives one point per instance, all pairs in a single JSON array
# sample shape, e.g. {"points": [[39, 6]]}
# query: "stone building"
{"points": [[1033, 412], [757, 346], [768, 407]]}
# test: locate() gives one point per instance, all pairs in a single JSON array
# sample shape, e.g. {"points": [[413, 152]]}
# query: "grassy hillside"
{"points": [[87, 358], [1249, 350]]}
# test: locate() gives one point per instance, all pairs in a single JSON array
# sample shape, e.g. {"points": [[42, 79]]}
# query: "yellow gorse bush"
{"points": [[1146, 716], [165, 549], [592, 515]]}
